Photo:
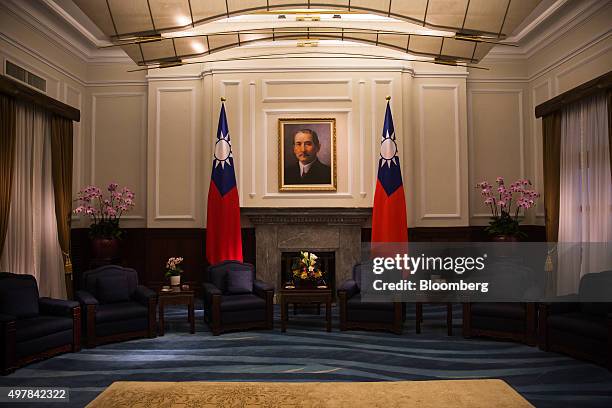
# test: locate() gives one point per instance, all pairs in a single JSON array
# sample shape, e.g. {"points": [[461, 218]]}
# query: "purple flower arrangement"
{"points": [[104, 211], [501, 201]]}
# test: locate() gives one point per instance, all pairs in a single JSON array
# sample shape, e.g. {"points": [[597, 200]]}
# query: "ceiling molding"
{"points": [[557, 23], [37, 17]]}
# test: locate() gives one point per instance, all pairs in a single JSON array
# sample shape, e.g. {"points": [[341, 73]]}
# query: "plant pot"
{"points": [[175, 280], [105, 249]]}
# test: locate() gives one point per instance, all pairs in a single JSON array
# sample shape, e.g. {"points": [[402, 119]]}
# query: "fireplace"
{"points": [[326, 261], [320, 230]]}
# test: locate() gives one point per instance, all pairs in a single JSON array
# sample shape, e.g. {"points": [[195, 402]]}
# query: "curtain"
{"points": [[61, 153], [585, 205], [32, 246], [7, 154], [610, 127], [551, 130]]}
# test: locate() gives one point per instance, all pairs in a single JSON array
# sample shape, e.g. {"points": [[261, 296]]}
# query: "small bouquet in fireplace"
{"points": [[306, 269]]}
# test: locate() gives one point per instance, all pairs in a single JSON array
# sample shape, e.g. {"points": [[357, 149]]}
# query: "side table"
{"points": [[305, 296], [176, 296]]}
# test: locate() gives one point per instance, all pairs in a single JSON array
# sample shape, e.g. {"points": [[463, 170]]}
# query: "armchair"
{"points": [[510, 319], [33, 328], [355, 314], [235, 300], [580, 326], [116, 307]]}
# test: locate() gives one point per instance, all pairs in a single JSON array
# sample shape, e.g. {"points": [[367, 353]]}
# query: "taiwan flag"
{"points": [[389, 213], [223, 239]]}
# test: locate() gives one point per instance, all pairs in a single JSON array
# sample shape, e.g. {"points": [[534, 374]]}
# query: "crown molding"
{"points": [[81, 46], [552, 26]]}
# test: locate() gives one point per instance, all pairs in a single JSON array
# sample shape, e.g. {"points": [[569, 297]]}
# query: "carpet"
{"points": [[307, 353], [423, 394]]}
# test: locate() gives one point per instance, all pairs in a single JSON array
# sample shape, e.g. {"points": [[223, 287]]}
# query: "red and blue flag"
{"points": [[389, 214], [223, 234]]}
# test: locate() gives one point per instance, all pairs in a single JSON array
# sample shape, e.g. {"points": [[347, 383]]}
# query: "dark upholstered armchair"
{"points": [[115, 306], [235, 300], [502, 320], [509, 318], [33, 328], [580, 325], [355, 314]]}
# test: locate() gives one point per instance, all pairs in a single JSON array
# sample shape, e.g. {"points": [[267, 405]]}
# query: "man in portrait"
{"points": [[308, 169]]}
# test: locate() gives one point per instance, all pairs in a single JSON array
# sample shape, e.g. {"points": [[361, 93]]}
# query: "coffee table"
{"points": [[297, 295], [176, 296]]}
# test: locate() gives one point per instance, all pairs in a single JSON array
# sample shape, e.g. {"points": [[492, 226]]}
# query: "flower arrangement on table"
{"points": [[306, 269], [105, 211], [503, 221], [172, 268]]}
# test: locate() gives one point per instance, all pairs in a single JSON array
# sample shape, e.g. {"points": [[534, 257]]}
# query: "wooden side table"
{"points": [[449, 317], [305, 296], [176, 296]]}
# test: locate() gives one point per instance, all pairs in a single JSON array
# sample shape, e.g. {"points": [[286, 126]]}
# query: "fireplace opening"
{"points": [[327, 262]]}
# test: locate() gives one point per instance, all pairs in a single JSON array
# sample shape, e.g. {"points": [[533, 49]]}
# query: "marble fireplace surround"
{"points": [[326, 229]]}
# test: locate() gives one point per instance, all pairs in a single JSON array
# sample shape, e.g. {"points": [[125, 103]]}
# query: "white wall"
{"points": [[155, 133]]}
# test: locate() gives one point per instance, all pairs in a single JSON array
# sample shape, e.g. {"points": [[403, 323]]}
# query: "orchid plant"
{"points": [[104, 211], [505, 219], [172, 268]]}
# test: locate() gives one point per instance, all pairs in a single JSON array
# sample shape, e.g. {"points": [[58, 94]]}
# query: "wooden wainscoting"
{"points": [[147, 249]]}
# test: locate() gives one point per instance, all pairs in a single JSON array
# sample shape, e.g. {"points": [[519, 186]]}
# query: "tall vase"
{"points": [[105, 250]]}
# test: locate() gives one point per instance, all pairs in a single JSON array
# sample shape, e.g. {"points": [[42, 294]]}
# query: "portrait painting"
{"points": [[307, 154]]}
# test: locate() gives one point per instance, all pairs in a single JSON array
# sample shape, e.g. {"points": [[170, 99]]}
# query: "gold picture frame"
{"points": [[302, 166]]}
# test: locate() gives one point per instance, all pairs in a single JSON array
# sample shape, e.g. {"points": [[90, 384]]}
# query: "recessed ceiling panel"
{"points": [[208, 10], [447, 13], [458, 48], [517, 12], [131, 16], [414, 9], [486, 15], [98, 12], [190, 46], [158, 50], [133, 51], [382, 6], [399, 42], [171, 13], [239, 5], [425, 45], [220, 42]]}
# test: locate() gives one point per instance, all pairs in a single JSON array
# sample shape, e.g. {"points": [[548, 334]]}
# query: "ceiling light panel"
{"points": [[135, 17]]}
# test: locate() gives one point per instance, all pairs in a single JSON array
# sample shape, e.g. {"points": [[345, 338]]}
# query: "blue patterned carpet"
{"points": [[306, 352]]}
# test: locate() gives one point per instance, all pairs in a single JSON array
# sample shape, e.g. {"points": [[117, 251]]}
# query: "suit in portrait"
{"points": [[318, 173]]}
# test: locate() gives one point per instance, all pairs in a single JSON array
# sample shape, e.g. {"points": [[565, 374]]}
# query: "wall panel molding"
{"points": [[191, 216], [223, 89], [424, 214], [270, 83], [253, 130], [471, 158]]}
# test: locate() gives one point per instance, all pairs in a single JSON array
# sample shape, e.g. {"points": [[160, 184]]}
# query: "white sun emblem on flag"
{"points": [[388, 151], [223, 151]]}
